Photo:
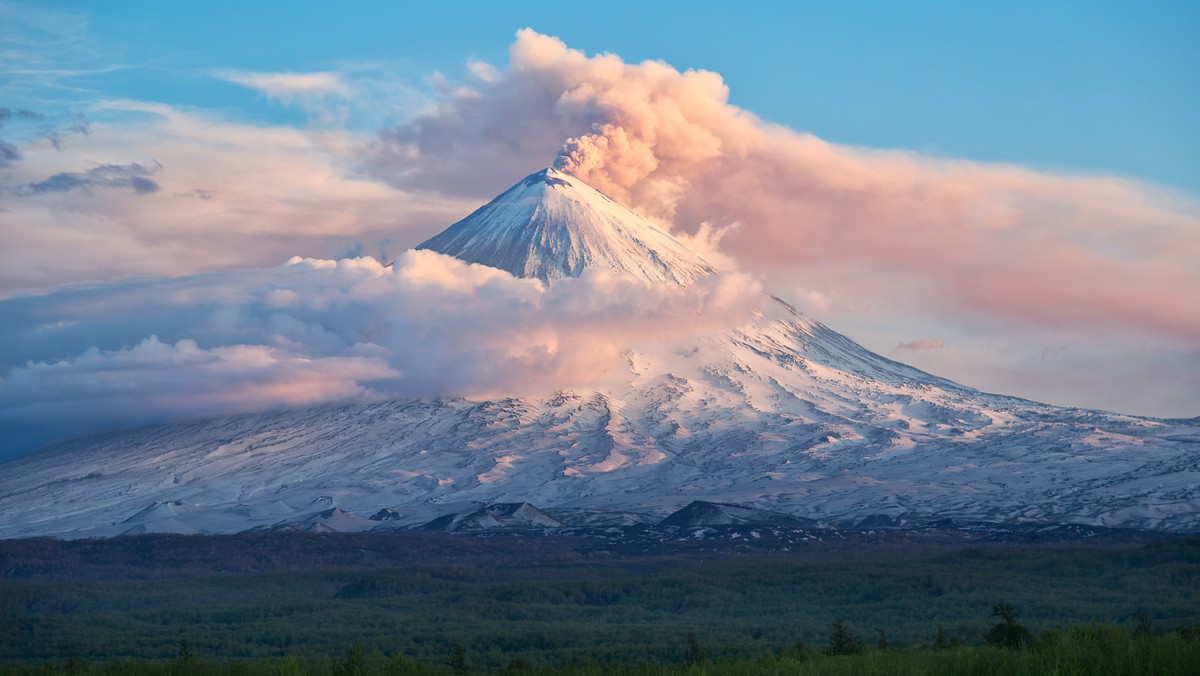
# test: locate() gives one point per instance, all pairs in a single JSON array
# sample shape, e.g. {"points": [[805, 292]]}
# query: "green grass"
{"points": [[1090, 649]]}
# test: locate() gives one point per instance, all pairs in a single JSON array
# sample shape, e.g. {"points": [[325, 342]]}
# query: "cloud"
{"points": [[154, 381], [137, 351], [58, 135], [8, 154], [132, 175], [922, 344], [230, 196], [291, 88], [325, 96], [942, 236], [484, 71], [885, 244], [56, 131]]}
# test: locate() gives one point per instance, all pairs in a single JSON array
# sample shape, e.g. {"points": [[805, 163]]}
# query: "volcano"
{"points": [[552, 225], [781, 414]]}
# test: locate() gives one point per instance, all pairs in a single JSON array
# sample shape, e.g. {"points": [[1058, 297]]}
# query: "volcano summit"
{"points": [[779, 413], [552, 225]]}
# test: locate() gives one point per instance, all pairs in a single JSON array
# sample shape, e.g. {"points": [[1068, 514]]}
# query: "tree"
{"points": [[186, 656], [1008, 633], [939, 640], [841, 640], [1142, 621], [353, 663], [458, 659], [694, 654], [186, 662]]}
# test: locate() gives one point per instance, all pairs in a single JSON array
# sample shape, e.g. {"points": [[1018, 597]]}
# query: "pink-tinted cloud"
{"points": [[922, 344], [937, 235], [886, 245], [314, 330], [182, 192]]}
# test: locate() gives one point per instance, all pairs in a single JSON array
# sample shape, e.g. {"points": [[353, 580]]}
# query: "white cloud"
{"points": [[290, 87], [316, 330]]}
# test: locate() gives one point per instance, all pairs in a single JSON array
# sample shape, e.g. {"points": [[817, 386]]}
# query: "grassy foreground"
{"points": [[1090, 649]]}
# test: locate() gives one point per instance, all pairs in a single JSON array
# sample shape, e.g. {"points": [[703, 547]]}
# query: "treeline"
{"points": [[161, 555], [655, 610], [1086, 649]]}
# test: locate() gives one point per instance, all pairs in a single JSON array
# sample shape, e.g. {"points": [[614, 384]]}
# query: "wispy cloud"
{"points": [[8, 154], [922, 344], [290, 87], [133, 176]]}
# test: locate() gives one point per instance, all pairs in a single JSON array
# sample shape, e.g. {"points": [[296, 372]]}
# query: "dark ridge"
{"points": [[703, 513], [500, 516], [543, 176]]}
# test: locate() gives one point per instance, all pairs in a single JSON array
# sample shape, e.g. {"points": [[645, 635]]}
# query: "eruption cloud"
{"points": [[939, 236]]}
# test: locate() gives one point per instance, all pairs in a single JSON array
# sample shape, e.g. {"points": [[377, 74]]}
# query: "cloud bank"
{"points": [[156, 190], [313, 331]]}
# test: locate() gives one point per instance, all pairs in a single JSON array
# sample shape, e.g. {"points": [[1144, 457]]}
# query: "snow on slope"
{"points": [[762, 417], [552, 225], [781, 414]]}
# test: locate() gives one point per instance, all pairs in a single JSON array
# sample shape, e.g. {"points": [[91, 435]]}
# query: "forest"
{"points": [[449, 604]]}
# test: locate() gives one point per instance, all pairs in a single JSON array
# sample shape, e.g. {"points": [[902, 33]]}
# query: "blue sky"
{"points": [[1005, 194], [1096, 87]]}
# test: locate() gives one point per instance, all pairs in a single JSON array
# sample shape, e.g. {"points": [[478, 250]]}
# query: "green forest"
{"points": [[979, 609]]}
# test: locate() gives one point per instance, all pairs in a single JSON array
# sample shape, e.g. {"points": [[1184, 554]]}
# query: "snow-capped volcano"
{"points": [[552, 225], [780, 413]]}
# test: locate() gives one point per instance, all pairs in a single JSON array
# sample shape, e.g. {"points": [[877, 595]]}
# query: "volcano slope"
{"points": [[778, 413]]}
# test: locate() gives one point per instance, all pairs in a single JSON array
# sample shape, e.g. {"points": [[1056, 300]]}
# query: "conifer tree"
{"points": [[841, 640], [1008, 633]]}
